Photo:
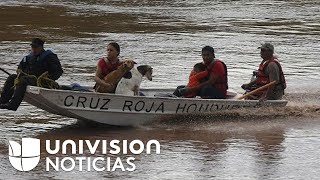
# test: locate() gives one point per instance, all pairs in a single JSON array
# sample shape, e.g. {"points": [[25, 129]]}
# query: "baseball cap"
{"points": [[267, 46]]}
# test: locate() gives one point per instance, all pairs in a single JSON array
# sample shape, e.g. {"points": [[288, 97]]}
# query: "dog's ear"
{"points": [[142, 69], [134, 62]]}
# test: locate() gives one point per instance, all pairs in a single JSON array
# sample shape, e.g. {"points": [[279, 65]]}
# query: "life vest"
{"points": [[107, 67], [263, 79], [41, 56], [35, 64], [221, 82]]}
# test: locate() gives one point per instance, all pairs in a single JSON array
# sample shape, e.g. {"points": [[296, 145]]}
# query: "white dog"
{"points": [[130, 86]]}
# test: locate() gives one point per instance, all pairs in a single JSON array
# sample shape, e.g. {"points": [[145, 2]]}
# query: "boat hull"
{"points": [[121, 110]]}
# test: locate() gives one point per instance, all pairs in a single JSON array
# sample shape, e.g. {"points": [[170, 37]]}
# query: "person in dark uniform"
{"points": [[40, 64]]}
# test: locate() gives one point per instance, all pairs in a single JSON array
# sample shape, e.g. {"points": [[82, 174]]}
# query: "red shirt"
{"points": [[217, 68], [107, 67]]}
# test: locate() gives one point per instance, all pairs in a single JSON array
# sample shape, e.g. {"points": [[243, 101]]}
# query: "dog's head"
{"points": [[127, 65], [146, 71]]}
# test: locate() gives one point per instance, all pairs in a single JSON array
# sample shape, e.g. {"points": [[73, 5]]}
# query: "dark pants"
{"points": [[210, 92], [206, 92], [14, 96]]}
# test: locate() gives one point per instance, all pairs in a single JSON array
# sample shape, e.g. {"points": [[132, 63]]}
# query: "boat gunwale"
{"points": [[156, 97]]}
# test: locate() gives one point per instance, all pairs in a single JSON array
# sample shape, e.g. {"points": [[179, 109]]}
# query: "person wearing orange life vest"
{"points": [[217, 84], [197, 75], [269, 70], [107, 64]]}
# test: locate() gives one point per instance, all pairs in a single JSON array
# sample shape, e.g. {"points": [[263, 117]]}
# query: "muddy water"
{"points": [[169, 35]]}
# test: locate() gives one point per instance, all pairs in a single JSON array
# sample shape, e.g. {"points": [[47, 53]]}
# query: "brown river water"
{"points": [[272, 143]]}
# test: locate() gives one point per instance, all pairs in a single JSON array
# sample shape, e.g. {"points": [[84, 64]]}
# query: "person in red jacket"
{"points": [[216, 85], [269, 70], [197, 75]]}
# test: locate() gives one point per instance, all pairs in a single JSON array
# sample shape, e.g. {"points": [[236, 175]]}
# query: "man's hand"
{"points": [[183, 91], [245, 86], [45, 74]]}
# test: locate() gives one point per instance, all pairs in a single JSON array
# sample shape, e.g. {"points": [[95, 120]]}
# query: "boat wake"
{"points": [[300, 106]]}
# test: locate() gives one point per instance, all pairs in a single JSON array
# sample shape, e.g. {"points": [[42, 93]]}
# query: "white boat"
{"points": [[119, 110]]}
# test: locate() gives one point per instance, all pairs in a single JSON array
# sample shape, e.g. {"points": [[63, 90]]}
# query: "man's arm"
{"points": [[21, 65], [212, 79], [250, 84], [54, 67], [199, 76]]}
